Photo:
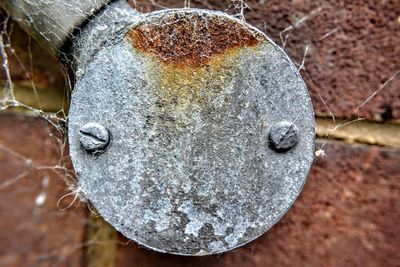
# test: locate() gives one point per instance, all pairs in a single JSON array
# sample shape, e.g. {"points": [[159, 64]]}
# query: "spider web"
{"points": [[20, 70]]}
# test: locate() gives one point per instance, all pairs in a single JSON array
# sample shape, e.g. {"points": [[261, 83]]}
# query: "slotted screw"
{"points": [[283, 136], [94, 137]]}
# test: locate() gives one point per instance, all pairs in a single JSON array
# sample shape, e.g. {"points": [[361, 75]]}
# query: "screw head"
{"points": [[283, 136], [94, 137]]}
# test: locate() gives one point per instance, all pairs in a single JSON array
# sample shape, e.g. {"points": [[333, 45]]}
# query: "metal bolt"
{"points": [[94, 137], [283, 136]]}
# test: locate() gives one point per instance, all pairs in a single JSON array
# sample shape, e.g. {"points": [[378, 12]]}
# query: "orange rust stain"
{"points": [[191, 40]]}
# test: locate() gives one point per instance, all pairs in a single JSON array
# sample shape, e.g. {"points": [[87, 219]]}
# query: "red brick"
{"points": [[35, 235], [347, 215], [343, 69], [350, 64]]}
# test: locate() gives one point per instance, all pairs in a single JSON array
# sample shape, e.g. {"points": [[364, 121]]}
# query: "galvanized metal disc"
{"points": [[189, 98]]}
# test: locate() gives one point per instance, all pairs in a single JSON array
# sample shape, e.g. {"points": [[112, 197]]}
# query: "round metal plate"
{"points": [[189, 97]]}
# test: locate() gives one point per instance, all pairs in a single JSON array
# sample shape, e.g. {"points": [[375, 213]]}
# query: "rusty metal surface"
{"points": [[189, 107]]}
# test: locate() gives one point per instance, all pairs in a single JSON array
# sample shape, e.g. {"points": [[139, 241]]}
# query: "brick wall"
{"points": [[349, 210]]}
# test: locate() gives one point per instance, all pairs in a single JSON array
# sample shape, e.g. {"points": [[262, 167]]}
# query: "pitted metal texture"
{"points": [[189, 97]]}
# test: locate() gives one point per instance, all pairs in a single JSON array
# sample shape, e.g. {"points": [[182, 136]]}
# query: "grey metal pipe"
{"points": [[51, 22]]}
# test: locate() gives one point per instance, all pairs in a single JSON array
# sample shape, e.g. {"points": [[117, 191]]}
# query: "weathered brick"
{"points": [[34, 231], [348, 212], [353, 50], [347, 215]]}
